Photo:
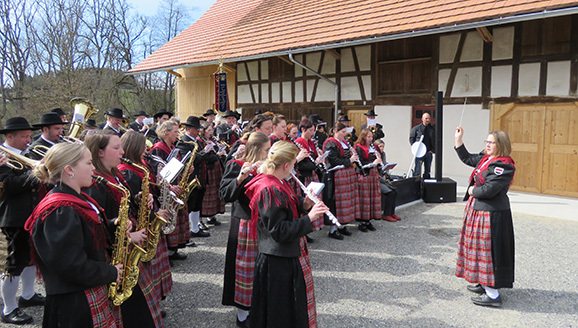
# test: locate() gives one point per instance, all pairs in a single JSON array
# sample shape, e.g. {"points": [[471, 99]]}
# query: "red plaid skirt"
{"points": [[152, 298], [370, 195], [247, 250], [212, 204], [347, 206], [309, 288], [160, 269], [104, 313], [182, 233], [474, 262]]}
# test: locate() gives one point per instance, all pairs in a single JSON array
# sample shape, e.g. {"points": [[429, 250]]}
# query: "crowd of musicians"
{"points": [[103, 221]]}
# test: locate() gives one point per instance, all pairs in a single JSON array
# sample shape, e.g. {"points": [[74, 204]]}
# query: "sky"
{"points": [[149, 7]]}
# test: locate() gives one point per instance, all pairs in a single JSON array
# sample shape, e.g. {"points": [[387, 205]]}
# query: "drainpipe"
{"points": [[335, 110]]}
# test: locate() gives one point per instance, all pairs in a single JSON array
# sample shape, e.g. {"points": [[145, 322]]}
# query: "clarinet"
{"points": [[318, 166], [358, 161], [315, 200]]}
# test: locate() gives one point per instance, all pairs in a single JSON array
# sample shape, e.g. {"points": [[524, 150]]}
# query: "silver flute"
{"points": [[316, 200]]}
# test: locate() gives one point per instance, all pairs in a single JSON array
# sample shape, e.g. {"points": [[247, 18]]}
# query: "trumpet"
{"points": [[40, 150], [17, 161]]}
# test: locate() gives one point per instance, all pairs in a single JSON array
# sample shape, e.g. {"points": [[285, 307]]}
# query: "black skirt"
{"points": [[230, 266], [279, 293], [67, 310]]}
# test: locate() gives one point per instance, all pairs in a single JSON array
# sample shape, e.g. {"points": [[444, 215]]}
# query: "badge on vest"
{"points": [[498, 170]]}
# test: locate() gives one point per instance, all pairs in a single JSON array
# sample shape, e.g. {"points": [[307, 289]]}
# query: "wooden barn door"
{"points": [[544, 145]]}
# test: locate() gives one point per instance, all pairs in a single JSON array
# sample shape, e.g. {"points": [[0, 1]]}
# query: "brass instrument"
{"points": [[122, 253], [186, 186], [40, 150], [170, 202], [373, 129], [143, 216], [82, 108], [17, 161], [70, 139]]}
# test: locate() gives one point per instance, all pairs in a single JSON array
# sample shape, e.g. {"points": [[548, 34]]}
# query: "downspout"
{"points": [[335, 110]]}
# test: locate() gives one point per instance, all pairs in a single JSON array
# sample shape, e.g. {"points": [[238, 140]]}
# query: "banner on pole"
{"points": [[221, 94]]}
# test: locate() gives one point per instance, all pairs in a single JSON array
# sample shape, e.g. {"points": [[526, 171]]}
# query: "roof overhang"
{"points": [[436, 30]]}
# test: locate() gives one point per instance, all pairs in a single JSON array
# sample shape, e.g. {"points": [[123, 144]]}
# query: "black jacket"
{"points": [[40, 141], [135, 126], [378, 133], [68, 258], [230, 192], [19, 196], [492, 194], [429, 136]]}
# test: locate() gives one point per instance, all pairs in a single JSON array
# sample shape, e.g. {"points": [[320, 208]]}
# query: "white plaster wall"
{"points": [[265, 93], [366, 79], [501, 81], [298, 69], [313, 60], [287, 92], [309, 85], [244, 94], [529, 79], [347, 60], [325, 91], [473, 47], [265, 69], [299, 91], [468, 82], [241, 73], [328, 65], [396, 121], [503, 44], [558, 78], [275, 92], [364, 57], [350, 88], [443, 77], [448, 47], [253, 70]]}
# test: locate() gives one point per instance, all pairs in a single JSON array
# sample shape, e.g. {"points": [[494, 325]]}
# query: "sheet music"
{"points": [[171, 170]]}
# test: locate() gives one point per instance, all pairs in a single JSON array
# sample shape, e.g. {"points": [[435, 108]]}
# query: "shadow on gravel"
{"points": [[368, 322], [541, 301]]}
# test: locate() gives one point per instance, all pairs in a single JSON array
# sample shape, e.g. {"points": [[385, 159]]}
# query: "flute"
{"points": [[316, 200], [250, 168]]}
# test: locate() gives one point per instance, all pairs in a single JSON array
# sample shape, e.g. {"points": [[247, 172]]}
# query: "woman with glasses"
{"points": [[486, 246]]}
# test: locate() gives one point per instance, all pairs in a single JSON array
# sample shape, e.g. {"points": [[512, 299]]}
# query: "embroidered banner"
{"points": [[221, 94]]}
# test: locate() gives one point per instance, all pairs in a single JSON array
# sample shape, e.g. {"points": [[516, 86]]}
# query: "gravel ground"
{"points": [[398, 276]]}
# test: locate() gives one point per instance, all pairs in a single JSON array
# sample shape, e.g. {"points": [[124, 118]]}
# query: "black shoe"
{"points": [[344, 231], [163, 314], [191, 243], [362, 227], [178, 257], [200, 233], [213, 220], [309, 239], [478, 289], [485, 300], [336, 235], [242, 324], [370, 226], [35, 300], [202, 226], [16, 317]]}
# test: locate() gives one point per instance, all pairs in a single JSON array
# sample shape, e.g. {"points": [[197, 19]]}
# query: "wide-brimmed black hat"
{"points": [[344, 118], [58, 111], [229, 113], [48, 119], [162, 112], [193, 121], [141, 113], [209, 112], [370, 112], [90, 123], [17, 123], [115, 112], [315, 119]]}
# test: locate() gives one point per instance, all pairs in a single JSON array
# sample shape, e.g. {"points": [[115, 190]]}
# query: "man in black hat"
{"points": [[319, 137], [52, 129], [90, 124], [370, 116], [351, 135], [161, 116], [60, 113], [138, 124], [17, 201], [114, 118], [195, 201], [210, 116], [230, 131]]}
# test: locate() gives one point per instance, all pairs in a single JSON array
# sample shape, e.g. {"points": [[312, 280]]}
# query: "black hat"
{"points": [[193, 121], [209, 112], [370, 112], [17, 123], [58, 111], [258, 111], [344, 118], [315, 119], [229, 113], [141, 113], [162, 112], [90, 123], [48, 119], [115, 112]]}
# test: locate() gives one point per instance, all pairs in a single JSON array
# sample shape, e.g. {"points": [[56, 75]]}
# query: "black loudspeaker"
{"points": [[440, 191]]}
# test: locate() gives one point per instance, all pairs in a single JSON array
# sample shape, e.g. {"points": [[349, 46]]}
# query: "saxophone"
{"points": [[143, 218], [121, 253], [170, 202], [186, 186]]}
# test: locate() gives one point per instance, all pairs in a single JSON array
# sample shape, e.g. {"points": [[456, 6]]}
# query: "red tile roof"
{"points": [[243, 29]]}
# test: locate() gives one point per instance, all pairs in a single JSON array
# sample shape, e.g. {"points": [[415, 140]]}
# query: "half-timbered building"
{"points": [[514, 64]]}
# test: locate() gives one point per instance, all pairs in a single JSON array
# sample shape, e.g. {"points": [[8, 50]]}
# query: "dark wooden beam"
{"points": [[516, 60], [455, 65], [358, 74], [574, 54], [333, 53], [174, 73], [286, 59], [485, 34]]}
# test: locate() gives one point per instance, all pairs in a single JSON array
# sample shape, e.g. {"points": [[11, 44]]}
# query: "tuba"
{"points": [[122, 253], [83, 110]]}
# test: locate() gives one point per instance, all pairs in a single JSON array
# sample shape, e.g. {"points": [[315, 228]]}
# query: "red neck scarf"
{"points": [[338, 143], [161, 145], [309, 145], [483, 166]]}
